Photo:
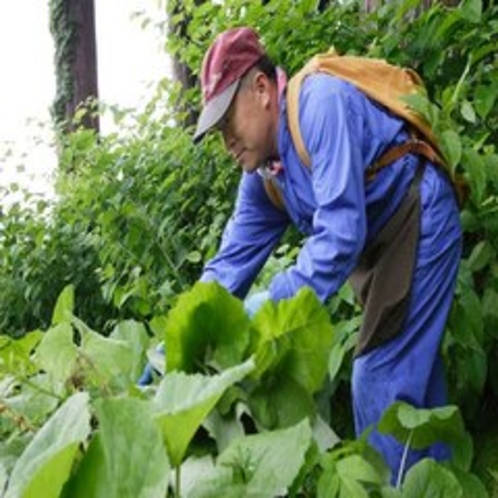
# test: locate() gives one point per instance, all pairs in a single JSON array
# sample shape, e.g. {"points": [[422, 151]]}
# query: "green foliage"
{"points": [[291, 342], [352, 475], [137, 214], [252, 466], [423, 427], [183, 401], [47, 460], [427, 479], [109, 469], [66, 455], [155, 205], [42, 251], [206, 327], [288, 39]]}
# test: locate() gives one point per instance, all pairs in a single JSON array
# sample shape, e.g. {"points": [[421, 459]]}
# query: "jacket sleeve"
{"points": [[332, 128], [251, 234]]}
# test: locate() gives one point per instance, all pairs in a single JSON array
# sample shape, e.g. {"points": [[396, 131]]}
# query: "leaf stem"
{"points": [[19, 420], [402, 465], [177, 481]]}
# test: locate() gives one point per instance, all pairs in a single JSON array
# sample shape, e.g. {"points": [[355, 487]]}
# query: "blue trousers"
{"points": [[409, 367]]}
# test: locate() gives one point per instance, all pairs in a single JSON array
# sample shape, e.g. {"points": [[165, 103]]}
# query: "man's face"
{"points": [[248, 127]]}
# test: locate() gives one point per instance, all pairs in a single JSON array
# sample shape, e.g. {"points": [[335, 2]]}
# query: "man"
{"points": [[396, 236]]}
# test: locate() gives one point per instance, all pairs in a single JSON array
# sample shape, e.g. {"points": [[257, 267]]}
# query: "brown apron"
{"points": [[382, 279]]}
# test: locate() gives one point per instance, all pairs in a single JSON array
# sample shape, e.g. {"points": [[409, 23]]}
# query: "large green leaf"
{"points": [[195, 469], [220, 483], [63, 310], [207, 325], [261, 465], [183, 401], [98, 360], [135, 335], [46, 462], [485, 96], [357, 468], [470, 483], [126, 458], [472, 10], [347, 476], [34, 401], [430, 479], [294, 338], [224, 428], [104, 360], [281, 402], [57, 354], [292, 341], [91, 476], [331, 485], [15, 354], [466, 324], [423, 427]]}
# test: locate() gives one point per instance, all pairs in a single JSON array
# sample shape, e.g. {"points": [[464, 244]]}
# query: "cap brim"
{"points": [[214, 110]]}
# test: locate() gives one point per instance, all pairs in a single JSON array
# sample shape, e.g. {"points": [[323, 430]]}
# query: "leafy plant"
{"points": [[139, 212], [79, 444], [47, 460]]}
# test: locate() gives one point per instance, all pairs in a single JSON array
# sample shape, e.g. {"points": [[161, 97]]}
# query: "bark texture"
{"points": [[72, 23]]}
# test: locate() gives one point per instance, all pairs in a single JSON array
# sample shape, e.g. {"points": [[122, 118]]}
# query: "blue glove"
{"points": [[253, 303], [146, 377]]}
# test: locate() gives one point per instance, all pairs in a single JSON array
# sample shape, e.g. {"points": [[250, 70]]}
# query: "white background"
{"points": [[130, 59]]}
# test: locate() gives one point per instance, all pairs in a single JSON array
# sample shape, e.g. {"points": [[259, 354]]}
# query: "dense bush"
{"points": [[134, 220], [140, 212], [41, 253], [156, 205]]}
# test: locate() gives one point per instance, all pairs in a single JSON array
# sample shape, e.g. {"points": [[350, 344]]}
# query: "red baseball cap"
{"points": [[227, 60]]}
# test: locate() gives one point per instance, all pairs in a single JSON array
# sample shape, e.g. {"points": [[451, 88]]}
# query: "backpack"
{"points": [[383, 83]]}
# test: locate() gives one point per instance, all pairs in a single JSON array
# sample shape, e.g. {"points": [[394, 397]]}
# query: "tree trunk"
{"points": [[72, 23], [181, 72]]}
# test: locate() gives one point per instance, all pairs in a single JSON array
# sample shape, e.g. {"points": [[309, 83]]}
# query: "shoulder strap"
{"points": [[274, 194], [293, 87]]}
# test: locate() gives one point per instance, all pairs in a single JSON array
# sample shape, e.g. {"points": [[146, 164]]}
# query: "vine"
{"points": [[64, 34]]}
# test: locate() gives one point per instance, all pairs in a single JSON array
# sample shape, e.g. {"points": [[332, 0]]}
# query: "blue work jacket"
{"points": [[331, 202]]}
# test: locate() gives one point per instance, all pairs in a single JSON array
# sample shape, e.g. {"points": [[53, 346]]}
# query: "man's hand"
{"points": [[153, 366]]}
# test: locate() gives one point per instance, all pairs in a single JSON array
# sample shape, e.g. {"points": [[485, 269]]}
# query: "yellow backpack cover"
{"points": [[379, 80], [383, 82]]}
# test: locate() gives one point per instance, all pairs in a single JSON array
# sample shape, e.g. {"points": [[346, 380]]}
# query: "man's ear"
{"points": [[262, 86], [260, 81]]}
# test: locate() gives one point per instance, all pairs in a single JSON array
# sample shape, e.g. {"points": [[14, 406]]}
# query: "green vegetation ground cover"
{"points": [[76, 424], [139, 213]]}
